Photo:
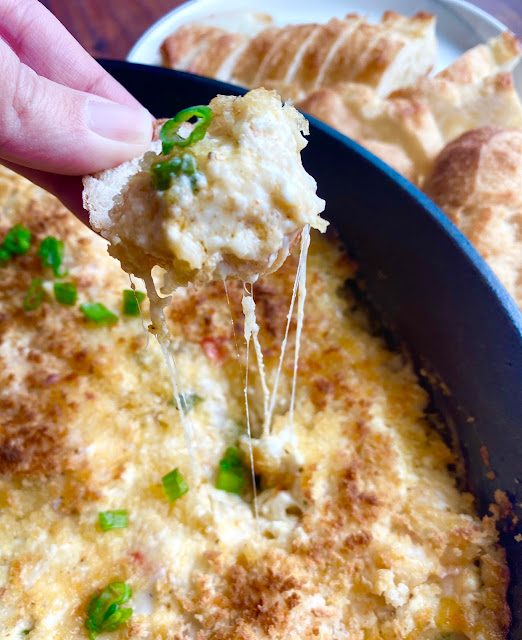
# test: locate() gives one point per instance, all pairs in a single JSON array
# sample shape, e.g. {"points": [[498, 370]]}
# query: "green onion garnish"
{"points": [[169, 131], [34, 296], [104, 613], [51, 252], [131, 302], [162, 172], [65, 293], [98, 313], [18, 240], [26, 632], [174, 485], [113, 519], [4, 256], [188, 402], [232, 474]]}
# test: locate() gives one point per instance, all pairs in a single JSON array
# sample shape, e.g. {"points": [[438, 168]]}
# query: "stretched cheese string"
{"points": [[252, 330], [305, 241], [147, 334], [233, 329], [301, 277], [161, 332], [249, 323]]}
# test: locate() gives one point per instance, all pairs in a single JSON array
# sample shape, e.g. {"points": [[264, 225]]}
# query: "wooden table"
{"points": [[108, 28]]}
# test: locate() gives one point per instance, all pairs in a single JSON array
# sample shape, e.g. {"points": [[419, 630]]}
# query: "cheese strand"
{"points": [[302, 260], [305, 244], [248, 331]]}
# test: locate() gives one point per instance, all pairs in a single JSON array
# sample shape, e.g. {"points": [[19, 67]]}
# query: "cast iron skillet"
{"points": [[428, 285]]}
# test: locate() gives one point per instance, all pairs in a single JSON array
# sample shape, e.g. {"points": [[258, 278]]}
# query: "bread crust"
{"points": [[477, 181]]}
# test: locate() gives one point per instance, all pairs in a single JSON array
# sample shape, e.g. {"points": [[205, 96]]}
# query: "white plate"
{"points": [[460, 25]]}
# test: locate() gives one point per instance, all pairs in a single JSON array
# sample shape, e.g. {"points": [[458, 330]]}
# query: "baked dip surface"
{"points": [[362, 533]]}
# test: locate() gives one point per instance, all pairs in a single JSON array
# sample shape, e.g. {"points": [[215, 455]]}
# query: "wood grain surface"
{"points": [[109, 28]]}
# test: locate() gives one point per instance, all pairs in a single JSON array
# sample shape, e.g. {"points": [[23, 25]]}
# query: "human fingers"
{"points": [[44, 125], [42, 43]]}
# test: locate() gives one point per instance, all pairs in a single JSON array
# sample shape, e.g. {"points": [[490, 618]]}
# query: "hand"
{"points": [[61, 115]]}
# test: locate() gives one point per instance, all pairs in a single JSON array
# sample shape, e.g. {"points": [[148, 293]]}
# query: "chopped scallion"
{"points": [[51, 252], [104, 612], [162, 172], [18, 240], [174, 485], [187, 402], [65, 293], [5, 256], [98, 313], [113, 519], [131, 302], [231, 474], [34, 296], [169, 131]]}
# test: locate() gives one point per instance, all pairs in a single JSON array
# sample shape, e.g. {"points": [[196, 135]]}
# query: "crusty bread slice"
{"points": [[103, 191], [457, 108], [285, 59], [387, 55], [391, 54], [401, 131], [498, 54], [477, 181]]}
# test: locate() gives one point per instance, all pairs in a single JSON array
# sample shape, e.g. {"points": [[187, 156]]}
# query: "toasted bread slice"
{"points": [[477, 181], [457, 108], [401, 131], [499, 54], [390, 54]]}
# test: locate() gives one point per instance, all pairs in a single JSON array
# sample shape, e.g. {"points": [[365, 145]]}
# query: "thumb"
{"points": [[44, 125]]}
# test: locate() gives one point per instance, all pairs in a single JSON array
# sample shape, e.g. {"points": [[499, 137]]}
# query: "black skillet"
{"points": [[430, 288]]}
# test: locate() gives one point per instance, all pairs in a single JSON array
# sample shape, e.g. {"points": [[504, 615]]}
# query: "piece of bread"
{"points": [[475, 91], [401, 131], [386, 56], [457, 108], [498, 54], [477, 182], [235, 210]]}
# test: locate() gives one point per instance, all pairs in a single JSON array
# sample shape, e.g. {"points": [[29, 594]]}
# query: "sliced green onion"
{"points": [[5, 256], [169, 131], [113, 519], [34, 296], [187, 403], [65, 293], [131, 302], [18, 240], [104, 612], [51, 252], [26, 632], [188, 165], [162, 173], [98, 313], [174, 485], [231, 474]]}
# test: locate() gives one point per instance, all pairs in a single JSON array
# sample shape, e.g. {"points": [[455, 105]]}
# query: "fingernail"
{"points": [[119, 122]]}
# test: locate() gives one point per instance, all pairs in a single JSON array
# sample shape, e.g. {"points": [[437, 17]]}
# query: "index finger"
{"points": [[44, 44]]}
